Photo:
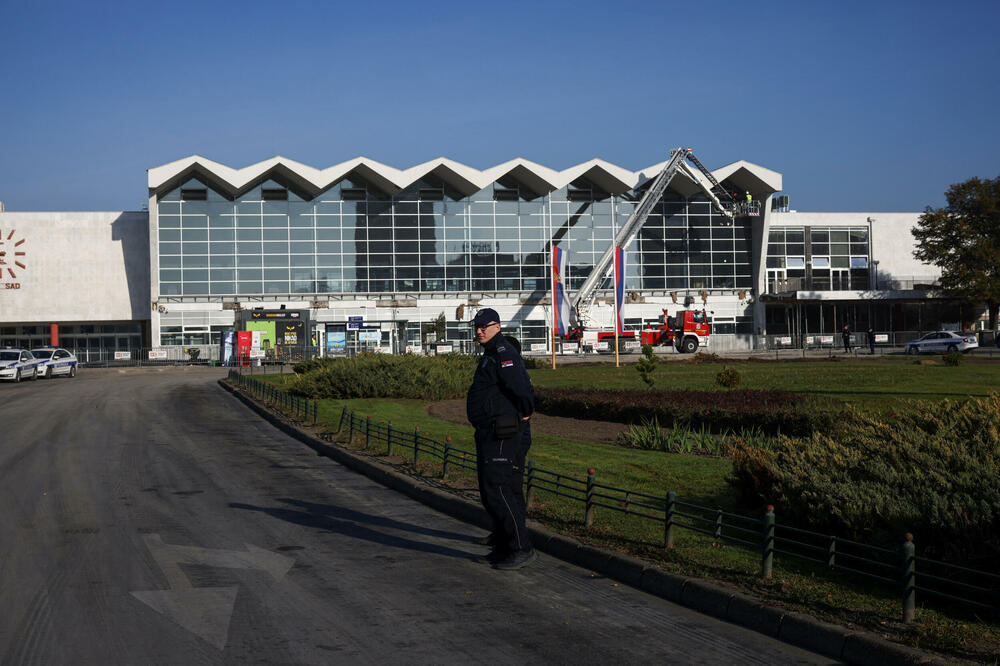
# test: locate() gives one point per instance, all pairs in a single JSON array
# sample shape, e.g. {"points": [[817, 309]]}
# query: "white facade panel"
{"points": [[83, 267]]}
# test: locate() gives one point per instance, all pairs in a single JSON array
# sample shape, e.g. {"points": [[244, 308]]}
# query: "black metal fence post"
{"points": [[668, 520], [718, 525], [831, 553], [350, 437], [529, 495], [767, 547], [909, 579], [588, 519], [447, 454], [340, 423], [368, 430], [388, 439], [416, 445]]}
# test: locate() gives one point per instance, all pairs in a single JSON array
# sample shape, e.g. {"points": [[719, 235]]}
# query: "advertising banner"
{"points": [[123, 356], [336, 339]]}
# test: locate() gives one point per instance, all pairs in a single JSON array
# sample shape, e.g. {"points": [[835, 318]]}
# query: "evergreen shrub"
{"points": [[386, 376], [934, 472]]}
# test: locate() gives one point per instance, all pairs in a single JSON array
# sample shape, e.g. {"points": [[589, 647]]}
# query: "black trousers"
{"points": [[501, 472]]}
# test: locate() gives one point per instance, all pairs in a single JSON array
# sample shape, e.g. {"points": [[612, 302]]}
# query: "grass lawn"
{"points": [[797, 585]]}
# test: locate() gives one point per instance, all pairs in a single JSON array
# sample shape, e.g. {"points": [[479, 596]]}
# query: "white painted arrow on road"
{"points": [[205, 611]]}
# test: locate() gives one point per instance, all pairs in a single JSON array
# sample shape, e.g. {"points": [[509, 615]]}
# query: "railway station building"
{"points": [[368, 256]]}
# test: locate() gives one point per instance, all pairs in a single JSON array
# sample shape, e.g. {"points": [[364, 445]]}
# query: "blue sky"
{"points": [[861, 106]]}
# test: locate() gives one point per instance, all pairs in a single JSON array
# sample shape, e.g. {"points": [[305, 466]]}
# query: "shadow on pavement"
{"points": [[347, 522]]}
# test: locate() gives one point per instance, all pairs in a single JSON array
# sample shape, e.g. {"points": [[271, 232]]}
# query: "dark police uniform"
{"points": [[501, 391]]}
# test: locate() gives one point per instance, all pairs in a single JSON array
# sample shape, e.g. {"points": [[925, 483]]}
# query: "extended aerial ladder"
{"points": [[720, 198]]}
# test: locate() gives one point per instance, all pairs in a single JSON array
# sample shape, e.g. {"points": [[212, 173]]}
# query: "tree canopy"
{"points": [[963, 240]]}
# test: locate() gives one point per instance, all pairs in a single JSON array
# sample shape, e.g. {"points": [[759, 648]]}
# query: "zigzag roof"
{"points": [[463, 178]]}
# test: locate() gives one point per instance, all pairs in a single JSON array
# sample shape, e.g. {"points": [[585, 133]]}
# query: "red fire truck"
{"points": [[686, 332]]}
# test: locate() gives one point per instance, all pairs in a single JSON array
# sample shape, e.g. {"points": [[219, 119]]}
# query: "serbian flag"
{"points": [[561, 309], [619, 287]]}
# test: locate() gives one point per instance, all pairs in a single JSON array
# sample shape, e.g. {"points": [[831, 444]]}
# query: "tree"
{"points": [[963, 239], [438, 327]]}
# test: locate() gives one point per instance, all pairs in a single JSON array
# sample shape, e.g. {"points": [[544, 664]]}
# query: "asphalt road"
{"points": [[148, 517]]}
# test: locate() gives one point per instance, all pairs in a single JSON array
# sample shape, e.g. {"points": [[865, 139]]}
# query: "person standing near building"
{"points": [[846, 335], [871, 339], [499, 402]]}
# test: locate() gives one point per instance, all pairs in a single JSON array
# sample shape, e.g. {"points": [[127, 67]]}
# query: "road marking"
{"points": [[204, 611]]}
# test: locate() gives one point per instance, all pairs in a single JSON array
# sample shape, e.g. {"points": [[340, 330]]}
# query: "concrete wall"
{"points": [[78, 267]]}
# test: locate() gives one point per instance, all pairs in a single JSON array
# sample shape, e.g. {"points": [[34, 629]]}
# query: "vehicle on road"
{"points": [[17, 364], [54, 361], [942, 342]]}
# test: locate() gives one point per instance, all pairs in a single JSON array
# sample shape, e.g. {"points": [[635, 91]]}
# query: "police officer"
{"points": [[498, 403]]}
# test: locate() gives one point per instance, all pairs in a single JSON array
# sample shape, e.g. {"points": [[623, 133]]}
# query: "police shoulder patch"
{"points": [[501, 348], [506, 364]]}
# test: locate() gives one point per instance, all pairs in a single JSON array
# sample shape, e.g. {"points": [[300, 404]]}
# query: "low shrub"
{"points": [[953, 359], [935, 473], [649, 436], [719, 411], [728, 378], [386, 376]]}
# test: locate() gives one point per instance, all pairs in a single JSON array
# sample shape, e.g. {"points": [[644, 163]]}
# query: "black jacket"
{"points": [[500, 386]]}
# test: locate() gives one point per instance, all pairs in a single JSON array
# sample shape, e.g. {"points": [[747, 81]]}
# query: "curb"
{"points": [[853, 647]]}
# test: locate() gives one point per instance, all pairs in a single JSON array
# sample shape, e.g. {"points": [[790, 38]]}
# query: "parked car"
{"points": [[942, 342], [54, 361], [17, 364]]}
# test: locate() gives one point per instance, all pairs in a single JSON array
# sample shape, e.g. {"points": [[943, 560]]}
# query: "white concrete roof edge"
{"points": [[322, 179]]}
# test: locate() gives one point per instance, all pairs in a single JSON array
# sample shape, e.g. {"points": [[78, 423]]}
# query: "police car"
{"points": [[17, 364], [54, 361]]}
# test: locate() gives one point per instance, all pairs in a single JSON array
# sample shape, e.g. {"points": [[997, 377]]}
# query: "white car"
{"points": [[17, 364], [943, 342], [54, 361]]}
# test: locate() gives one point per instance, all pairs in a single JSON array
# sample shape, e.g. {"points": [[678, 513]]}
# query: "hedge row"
{"points": [[933, 472], [385, 376], [771, 412]]}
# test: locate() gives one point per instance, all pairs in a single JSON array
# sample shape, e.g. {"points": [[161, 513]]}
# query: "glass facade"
{"points": [[351, 239], [818, 258]]}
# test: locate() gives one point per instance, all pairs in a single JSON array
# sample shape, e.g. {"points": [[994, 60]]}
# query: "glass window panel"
{"points": [[275, 274], [223, 287], [195, 248], [170, 248], [195, 275], [839, 236], [859, 262], [249, 260], [840, 248], [327, 260], [821, 262], [170, 221], [192, 288], [221, 235], [170, 235], [225, 274], [248, 248], [276, 288], [275, 260], [248, 274], [170, 275], [170, 262], [222, 248], [302, 260], [275, 221], [301, 247], [795, 262], [275, 234], [839, 262], [248, 234], [194, 222], [276, 247], [328, 247], [301, 234], [820, 235], [195, 235], [249, 288], [170, 289], [248, 221]]}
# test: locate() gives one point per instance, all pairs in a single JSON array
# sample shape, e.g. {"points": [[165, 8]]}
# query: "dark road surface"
{"points": [[148, 517]]}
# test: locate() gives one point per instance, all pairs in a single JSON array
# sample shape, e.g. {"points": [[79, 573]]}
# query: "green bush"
{"points": [[728, 377], [953, 359], [386, 376], [933, 472], [646, 366]]}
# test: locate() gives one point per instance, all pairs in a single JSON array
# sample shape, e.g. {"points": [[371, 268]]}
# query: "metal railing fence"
{"points": [[900, 568]]}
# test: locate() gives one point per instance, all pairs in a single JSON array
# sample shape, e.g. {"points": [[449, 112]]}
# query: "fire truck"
{"points": [[687, 329], [686, 332]]}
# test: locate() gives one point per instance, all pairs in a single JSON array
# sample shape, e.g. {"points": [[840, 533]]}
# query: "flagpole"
{"points": [[617, 314], [555, 304]]}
